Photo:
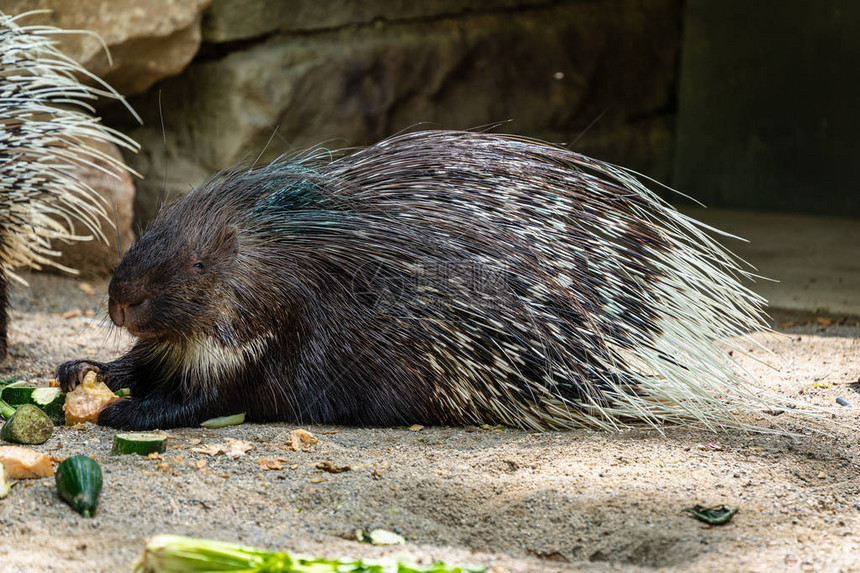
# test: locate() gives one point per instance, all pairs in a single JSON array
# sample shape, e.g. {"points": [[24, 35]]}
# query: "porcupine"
{"points": [[47, 134], [436, 277]]}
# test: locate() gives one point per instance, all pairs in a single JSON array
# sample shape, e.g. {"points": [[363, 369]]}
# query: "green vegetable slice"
{"points": [[28, 425], [143, 443], [18, 393], [49, 400], [79, 483], [175, 554], [224, 421]]}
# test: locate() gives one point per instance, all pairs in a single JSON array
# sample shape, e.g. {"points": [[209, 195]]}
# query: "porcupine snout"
{"points": [[127, 305]]}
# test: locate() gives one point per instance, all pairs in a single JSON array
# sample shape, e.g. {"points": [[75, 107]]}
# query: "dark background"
{"points": [[769, 113]]}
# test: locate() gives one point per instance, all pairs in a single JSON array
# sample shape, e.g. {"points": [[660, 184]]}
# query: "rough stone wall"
{"points": [[147, 40], [234, 80], [273, 77]]}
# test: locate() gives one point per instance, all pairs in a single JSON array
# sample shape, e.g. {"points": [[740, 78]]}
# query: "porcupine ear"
{"points": [[227, 242]]}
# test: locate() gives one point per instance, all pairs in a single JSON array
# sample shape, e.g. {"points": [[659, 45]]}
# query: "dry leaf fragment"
{"points": [[416, 428], [233, 448], [237, 448], [824, 321], [73, 313], [209, 449], [269, 464], [301, 437], [331, 468]]}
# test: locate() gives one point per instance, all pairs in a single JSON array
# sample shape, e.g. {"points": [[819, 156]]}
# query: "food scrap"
{"points": [[24, 463], [5, 485], [85, 403], [142, 443], [28, 425], [79, 483], [224, 421]]}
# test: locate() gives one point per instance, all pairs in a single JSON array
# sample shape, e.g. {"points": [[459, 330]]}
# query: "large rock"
{"points": [[148, 41], [552, 69], [229, 20]]}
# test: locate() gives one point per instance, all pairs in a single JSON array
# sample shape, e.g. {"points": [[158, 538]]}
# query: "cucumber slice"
{"points": [[28, 425], [224, 421], [142, 443], [79, 482], [18, 393], [49, 400]]}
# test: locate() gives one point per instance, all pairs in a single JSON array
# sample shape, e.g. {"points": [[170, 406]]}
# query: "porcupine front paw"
{"points": [[72, 373], [126, 414], [149, 413]]}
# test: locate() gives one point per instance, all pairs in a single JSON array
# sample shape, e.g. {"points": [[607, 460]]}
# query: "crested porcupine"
{"points": [[47, 134], [436, 277]]}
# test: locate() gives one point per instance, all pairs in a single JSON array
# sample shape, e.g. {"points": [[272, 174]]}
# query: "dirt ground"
{"points": [[507, 499]]}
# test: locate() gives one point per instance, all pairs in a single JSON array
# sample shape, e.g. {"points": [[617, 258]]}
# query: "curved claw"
{"points": [[71, 374]]}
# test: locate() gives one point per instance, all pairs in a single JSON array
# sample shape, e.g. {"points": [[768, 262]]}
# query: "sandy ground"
{"points": [[507, 499]]}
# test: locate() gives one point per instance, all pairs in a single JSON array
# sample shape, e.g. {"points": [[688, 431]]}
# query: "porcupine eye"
{"points": [[195, 264]]}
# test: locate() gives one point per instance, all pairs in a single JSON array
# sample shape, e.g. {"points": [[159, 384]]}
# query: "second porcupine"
{"points": [[436, 277], [49, 137]]}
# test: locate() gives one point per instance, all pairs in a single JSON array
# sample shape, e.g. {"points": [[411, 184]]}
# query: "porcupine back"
{"points": [[48, 133], [487, 278]]}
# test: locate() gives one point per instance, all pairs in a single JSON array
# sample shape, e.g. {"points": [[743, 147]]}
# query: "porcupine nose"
{"points": [[125, 313], [125, 304]]}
